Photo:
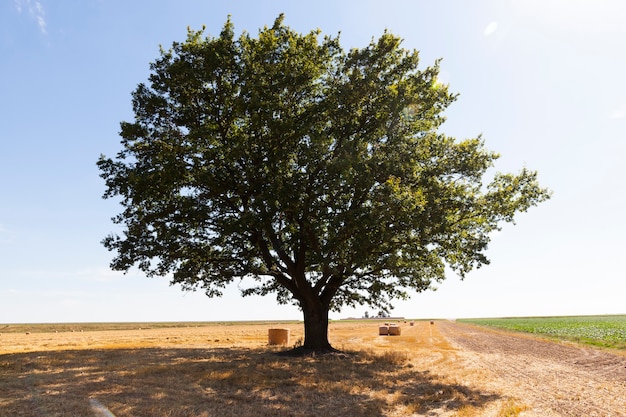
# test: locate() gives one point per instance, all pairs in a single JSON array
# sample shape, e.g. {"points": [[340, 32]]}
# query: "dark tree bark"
{"points": [[316, 327]]}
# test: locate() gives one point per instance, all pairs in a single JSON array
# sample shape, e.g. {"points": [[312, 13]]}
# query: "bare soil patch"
{"points": [[554, 379], [440, 369]]}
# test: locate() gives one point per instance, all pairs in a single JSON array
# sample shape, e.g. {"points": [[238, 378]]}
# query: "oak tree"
{"points": [[310, 172]]}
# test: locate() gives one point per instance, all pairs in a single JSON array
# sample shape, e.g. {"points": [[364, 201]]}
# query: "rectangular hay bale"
{"points": [[394, 330]]}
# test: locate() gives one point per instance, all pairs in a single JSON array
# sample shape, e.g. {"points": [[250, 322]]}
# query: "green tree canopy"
{"points": [[314, 173]]}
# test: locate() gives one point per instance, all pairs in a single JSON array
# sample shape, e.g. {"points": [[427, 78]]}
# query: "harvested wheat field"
{"points": [[439, 369]]}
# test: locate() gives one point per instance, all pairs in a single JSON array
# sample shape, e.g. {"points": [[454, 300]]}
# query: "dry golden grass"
{"points": [[229, 370], [511, 408]]}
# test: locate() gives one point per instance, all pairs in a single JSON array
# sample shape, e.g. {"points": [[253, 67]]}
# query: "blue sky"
{"points": [[542, 80]]}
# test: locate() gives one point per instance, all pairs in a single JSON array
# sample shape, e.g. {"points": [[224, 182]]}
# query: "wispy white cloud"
{"points": [[35, 10], [490, 28], [619, 113], [86, 274], [5, 235], [99, 274], [585, 17]]}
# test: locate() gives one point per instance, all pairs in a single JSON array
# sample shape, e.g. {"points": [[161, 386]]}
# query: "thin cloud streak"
{"points": [[35, 11], [6, 236], [619, 113], [491, 27]]}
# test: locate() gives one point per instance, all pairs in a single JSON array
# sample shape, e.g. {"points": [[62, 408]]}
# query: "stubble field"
{"points": [[439, 369]]}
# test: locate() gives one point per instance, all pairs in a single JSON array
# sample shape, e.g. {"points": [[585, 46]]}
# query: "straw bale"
{"points": [[394, 330], [278, 336]]}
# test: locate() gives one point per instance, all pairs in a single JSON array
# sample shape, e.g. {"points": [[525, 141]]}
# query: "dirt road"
{"points": [[553, 379]]}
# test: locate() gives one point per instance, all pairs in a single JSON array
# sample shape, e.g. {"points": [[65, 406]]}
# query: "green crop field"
{"points": [[605, 331]]}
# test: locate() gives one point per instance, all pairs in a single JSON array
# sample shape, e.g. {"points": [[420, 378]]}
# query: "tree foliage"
{"points": [[314, 173]]}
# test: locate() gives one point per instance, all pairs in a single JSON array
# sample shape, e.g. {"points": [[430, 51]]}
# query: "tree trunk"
{"points": [[316, 327]]}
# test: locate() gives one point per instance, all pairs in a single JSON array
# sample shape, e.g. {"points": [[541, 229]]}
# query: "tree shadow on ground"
{"points": [[223, 382]]}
